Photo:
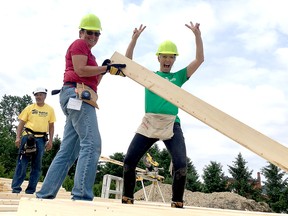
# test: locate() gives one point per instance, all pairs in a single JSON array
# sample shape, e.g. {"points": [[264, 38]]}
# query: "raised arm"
{"points": [[131, 46], [199, 59]]}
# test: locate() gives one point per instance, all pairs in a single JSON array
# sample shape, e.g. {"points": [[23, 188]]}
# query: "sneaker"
{"points": [[177, 204], [127, 200]]}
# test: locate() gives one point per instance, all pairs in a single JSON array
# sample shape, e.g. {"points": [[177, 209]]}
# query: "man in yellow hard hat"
{"points": [[161, 121], [81, 139]]}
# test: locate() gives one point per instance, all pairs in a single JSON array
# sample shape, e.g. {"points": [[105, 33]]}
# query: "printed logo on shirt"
{"points": [[41, 114], [171, 80], [34, 112]]}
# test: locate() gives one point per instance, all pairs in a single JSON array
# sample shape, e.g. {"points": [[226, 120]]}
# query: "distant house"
{"points": [[255, 182]]}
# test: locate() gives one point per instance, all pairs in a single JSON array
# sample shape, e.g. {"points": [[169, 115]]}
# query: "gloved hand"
{"points": [[105, 62], [115, 69]]}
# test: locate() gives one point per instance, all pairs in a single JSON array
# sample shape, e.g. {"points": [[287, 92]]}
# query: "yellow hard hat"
{"points": [[167, 47], [90, 22]]}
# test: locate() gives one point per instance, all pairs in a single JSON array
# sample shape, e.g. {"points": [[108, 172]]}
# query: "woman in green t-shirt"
{"points": [[161, 121]]}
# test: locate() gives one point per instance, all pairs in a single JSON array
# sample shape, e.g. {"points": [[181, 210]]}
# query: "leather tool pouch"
{"points": [[93, 95], [30, 145]]}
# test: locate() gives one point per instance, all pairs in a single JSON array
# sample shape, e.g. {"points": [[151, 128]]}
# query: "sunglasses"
{"points": [[97, 34]]}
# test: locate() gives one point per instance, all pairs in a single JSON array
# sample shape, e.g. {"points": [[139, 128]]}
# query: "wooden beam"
{"points": [[149, 175], [120, 163], [108, 207], [215, 118]]}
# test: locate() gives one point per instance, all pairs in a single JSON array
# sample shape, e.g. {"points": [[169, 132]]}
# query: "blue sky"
{"points": [[244, 73]]}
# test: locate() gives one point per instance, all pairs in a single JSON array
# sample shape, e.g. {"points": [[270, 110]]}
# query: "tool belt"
{"points": [[158, 126], [84, 92], [29, 147], [87, 94]]}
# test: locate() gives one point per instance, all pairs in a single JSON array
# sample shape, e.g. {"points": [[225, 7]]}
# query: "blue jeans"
{"points": [[22, 164], [177, 149], [81, 141]]}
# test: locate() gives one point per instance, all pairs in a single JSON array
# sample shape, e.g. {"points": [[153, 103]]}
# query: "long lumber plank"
{"points": [[120, 163], [56, 207], [145, 173], [241, 133]]}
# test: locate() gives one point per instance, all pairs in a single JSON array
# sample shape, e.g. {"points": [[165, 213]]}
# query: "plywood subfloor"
{"points": [[27, 205], [109, 207]]}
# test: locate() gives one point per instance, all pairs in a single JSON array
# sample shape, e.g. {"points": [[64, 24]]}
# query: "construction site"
{"points": [[155, 199]]}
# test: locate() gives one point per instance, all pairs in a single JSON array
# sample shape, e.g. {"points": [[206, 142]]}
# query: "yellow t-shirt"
{"points": [[38, 118]]}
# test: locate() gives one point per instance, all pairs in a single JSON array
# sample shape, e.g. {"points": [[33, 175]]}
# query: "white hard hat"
{"points": [[40, 89]]}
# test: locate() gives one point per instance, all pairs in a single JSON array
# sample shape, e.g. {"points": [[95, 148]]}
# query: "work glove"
{"points": [[105, 62], [115, 69]]}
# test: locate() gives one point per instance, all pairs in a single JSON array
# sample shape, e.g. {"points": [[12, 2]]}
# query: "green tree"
{"points": [[283, 204], [10, 108], [276, 188], [108, 168], [192, 182], [164, 159], [68, 183], [49, 156], [214, 178], [111, 168], [8, 152], [242, 182]]}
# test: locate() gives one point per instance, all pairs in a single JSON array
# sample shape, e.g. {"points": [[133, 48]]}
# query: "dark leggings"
{"points": [[177, 149]]}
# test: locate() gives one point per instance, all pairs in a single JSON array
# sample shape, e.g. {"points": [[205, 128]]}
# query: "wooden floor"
{"points": [[23, 204]]}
